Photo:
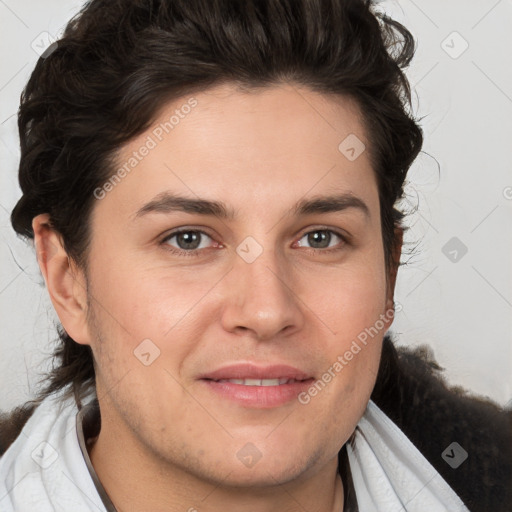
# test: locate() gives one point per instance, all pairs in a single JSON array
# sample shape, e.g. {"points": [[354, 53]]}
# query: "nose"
{"points": [[260, 299]]}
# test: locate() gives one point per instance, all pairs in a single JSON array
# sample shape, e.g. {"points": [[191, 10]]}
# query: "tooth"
{"points": [[270, 382], [252, 382], [259, 382]]}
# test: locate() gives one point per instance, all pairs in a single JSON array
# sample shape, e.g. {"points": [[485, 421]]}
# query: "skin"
{"points": [[167, 442]]}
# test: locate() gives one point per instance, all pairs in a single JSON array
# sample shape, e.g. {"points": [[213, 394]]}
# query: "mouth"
{"points": [[257, 387], [260, 382]]}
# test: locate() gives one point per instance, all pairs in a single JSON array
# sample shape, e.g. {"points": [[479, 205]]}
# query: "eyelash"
{"points": [[197, 252]]}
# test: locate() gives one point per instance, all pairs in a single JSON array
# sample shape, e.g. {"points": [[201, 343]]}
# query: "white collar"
{"points": [[389, 472], [45, 469]]}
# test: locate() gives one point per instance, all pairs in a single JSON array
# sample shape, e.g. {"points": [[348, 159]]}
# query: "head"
{"points": [[225, 122]]}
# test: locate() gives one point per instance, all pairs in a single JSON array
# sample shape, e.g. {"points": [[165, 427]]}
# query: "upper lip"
{"points": [[252, 371]]}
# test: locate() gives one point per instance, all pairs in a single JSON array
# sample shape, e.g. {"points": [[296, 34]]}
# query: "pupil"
{"points": [[323, 236], [189, 238]]}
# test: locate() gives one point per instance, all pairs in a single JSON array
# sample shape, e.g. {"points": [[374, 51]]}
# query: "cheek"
{"points": [[145, 302], [157, 311], [348, 299], [351, 306]]}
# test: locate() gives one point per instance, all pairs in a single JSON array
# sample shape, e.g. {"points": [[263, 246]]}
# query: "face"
{"points": [[225, 299]]}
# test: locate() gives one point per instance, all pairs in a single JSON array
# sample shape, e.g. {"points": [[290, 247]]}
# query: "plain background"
{"points": [[456, 285]]}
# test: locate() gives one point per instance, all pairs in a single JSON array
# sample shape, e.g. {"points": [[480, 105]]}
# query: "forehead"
{"points": [[267, 146]]}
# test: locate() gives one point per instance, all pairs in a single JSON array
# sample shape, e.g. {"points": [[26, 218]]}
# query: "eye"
{"points": [[187, 241], [320, 240]]}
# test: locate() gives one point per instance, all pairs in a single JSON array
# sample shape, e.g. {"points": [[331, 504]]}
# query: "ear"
{"points": [[394, 264], [66, 283]]}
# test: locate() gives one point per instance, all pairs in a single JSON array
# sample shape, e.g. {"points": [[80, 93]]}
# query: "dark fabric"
{"points": [[349, 493], [410, 389], [412, 392]]}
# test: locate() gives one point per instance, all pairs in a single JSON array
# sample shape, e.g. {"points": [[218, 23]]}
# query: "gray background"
{"points": [[459, 190]]}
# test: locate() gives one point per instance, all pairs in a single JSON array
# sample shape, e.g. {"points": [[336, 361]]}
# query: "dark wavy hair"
{"points": [[119, 61]]}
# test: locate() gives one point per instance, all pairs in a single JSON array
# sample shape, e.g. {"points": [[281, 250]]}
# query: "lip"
{"points": [[252, 371], [258, 397]]}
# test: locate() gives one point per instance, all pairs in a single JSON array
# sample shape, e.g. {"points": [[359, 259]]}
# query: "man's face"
{"points": [[239, 297]]}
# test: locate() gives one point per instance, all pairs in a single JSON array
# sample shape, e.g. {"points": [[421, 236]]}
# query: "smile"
{"points": [[259, 382]]}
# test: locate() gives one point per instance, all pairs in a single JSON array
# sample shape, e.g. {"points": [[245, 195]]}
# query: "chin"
{"points": [[268, 467], [264, 475]]}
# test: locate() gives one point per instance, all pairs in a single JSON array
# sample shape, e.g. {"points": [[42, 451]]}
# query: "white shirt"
{"points": [[45, 469]]}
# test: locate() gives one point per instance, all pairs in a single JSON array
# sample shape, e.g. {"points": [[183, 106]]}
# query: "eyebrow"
{"points": [[166, 202]]}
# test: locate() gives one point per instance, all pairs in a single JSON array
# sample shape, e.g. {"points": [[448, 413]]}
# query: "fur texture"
{"points": [[412, 392]]}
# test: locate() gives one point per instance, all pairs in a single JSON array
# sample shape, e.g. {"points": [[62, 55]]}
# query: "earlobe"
{"points": [[65, 282]]}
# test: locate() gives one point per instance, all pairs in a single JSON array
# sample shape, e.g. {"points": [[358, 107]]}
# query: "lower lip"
{"points": [[260, 397]]}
